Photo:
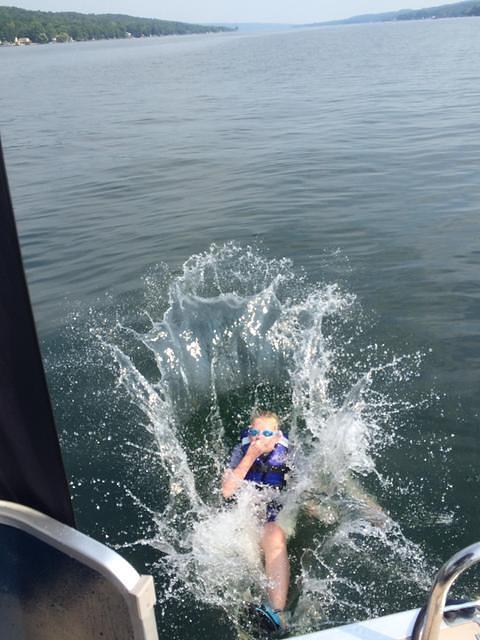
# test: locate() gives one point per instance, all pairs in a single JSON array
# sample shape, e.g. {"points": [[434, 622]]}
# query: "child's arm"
{"points": [[233, 477]]}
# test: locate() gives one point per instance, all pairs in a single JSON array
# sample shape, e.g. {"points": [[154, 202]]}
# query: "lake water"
{"points": [[335, 171]]}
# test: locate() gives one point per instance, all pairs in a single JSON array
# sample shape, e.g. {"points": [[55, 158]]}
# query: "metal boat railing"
{"points": [[450, 571]]}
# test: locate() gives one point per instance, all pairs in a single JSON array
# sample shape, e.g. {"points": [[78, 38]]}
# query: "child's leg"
{"points": [[277, 567]]}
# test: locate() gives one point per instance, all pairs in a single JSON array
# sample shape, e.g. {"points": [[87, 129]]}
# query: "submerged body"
{"points": [[261, 458]]}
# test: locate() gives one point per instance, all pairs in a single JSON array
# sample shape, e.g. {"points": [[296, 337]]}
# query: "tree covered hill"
{"points": [[45, 26], [465, 9]]}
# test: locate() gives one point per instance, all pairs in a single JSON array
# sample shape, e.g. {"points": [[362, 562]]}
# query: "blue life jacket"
{"points": [[269, 469]]}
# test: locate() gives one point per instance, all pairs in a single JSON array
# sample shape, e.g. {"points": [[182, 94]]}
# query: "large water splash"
{"points": [[240, 330]]}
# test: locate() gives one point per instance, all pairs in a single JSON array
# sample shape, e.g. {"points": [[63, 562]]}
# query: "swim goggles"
{"points": [[255, 432]]}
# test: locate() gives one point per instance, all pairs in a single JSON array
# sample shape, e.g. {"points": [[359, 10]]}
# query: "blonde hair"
{"points": [[259, 413]]}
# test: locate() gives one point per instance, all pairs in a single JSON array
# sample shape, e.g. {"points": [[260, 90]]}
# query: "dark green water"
{"points": [[351, 151]]}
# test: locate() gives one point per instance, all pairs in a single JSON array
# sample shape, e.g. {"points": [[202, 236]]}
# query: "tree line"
{"points": [[46, 26], [465, 9]]}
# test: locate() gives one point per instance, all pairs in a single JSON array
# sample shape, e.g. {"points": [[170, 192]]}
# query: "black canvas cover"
{"points": [[31, 467]]}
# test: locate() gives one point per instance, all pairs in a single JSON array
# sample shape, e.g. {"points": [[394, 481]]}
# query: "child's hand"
{"points": [[261, 444]]}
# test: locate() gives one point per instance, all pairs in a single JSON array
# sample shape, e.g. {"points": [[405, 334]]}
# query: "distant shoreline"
{"points": [[465, 9], [21, 27], [14, 45]]}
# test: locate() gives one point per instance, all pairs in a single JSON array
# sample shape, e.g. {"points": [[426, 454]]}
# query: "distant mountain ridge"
{"points": [[467, 8], [47, 26], [256, 26]]}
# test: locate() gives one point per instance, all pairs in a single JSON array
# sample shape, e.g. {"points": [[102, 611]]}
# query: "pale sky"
{"points": [[290, 11]]}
